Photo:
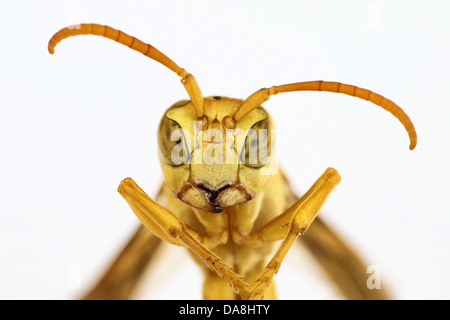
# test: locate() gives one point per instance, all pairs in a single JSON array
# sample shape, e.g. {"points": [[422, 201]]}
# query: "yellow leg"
{"points": [[346, 269], [169, 227], [304, 212], [214, 288], [277, 228]]}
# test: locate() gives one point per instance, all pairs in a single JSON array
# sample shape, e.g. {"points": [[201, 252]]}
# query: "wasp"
{"points": [[224, 197]]}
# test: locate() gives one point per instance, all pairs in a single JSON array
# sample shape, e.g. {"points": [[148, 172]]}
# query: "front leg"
{"points": [[278, 228], [169, 227], [302, 213]]}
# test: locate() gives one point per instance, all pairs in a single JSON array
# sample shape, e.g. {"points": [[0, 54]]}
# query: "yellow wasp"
{"points": [[224, 197]]}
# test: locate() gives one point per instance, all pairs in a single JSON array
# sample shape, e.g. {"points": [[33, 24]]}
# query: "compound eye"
{"points": [[172, 144], [257, 149]]}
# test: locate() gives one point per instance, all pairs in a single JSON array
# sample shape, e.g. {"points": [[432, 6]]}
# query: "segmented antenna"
{"points": [[260, 96], [146, 49]]}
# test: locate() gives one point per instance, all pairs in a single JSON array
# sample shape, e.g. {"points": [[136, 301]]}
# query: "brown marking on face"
{"points": [[203, 196]]}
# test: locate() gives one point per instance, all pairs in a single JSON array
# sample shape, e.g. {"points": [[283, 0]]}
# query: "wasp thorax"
{"points": [[212, 162]]}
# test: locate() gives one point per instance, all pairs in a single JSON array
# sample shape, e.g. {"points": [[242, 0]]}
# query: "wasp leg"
{"points": [[305, 211], [169, 227], [214, 288], [120, 279], [338, 260], [277, 228]]}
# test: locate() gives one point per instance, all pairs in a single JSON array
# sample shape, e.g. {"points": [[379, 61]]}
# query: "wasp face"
{"points": [[215, 162]]}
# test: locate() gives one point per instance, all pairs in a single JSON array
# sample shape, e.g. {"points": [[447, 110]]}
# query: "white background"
{"points": [[74, 124]]}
